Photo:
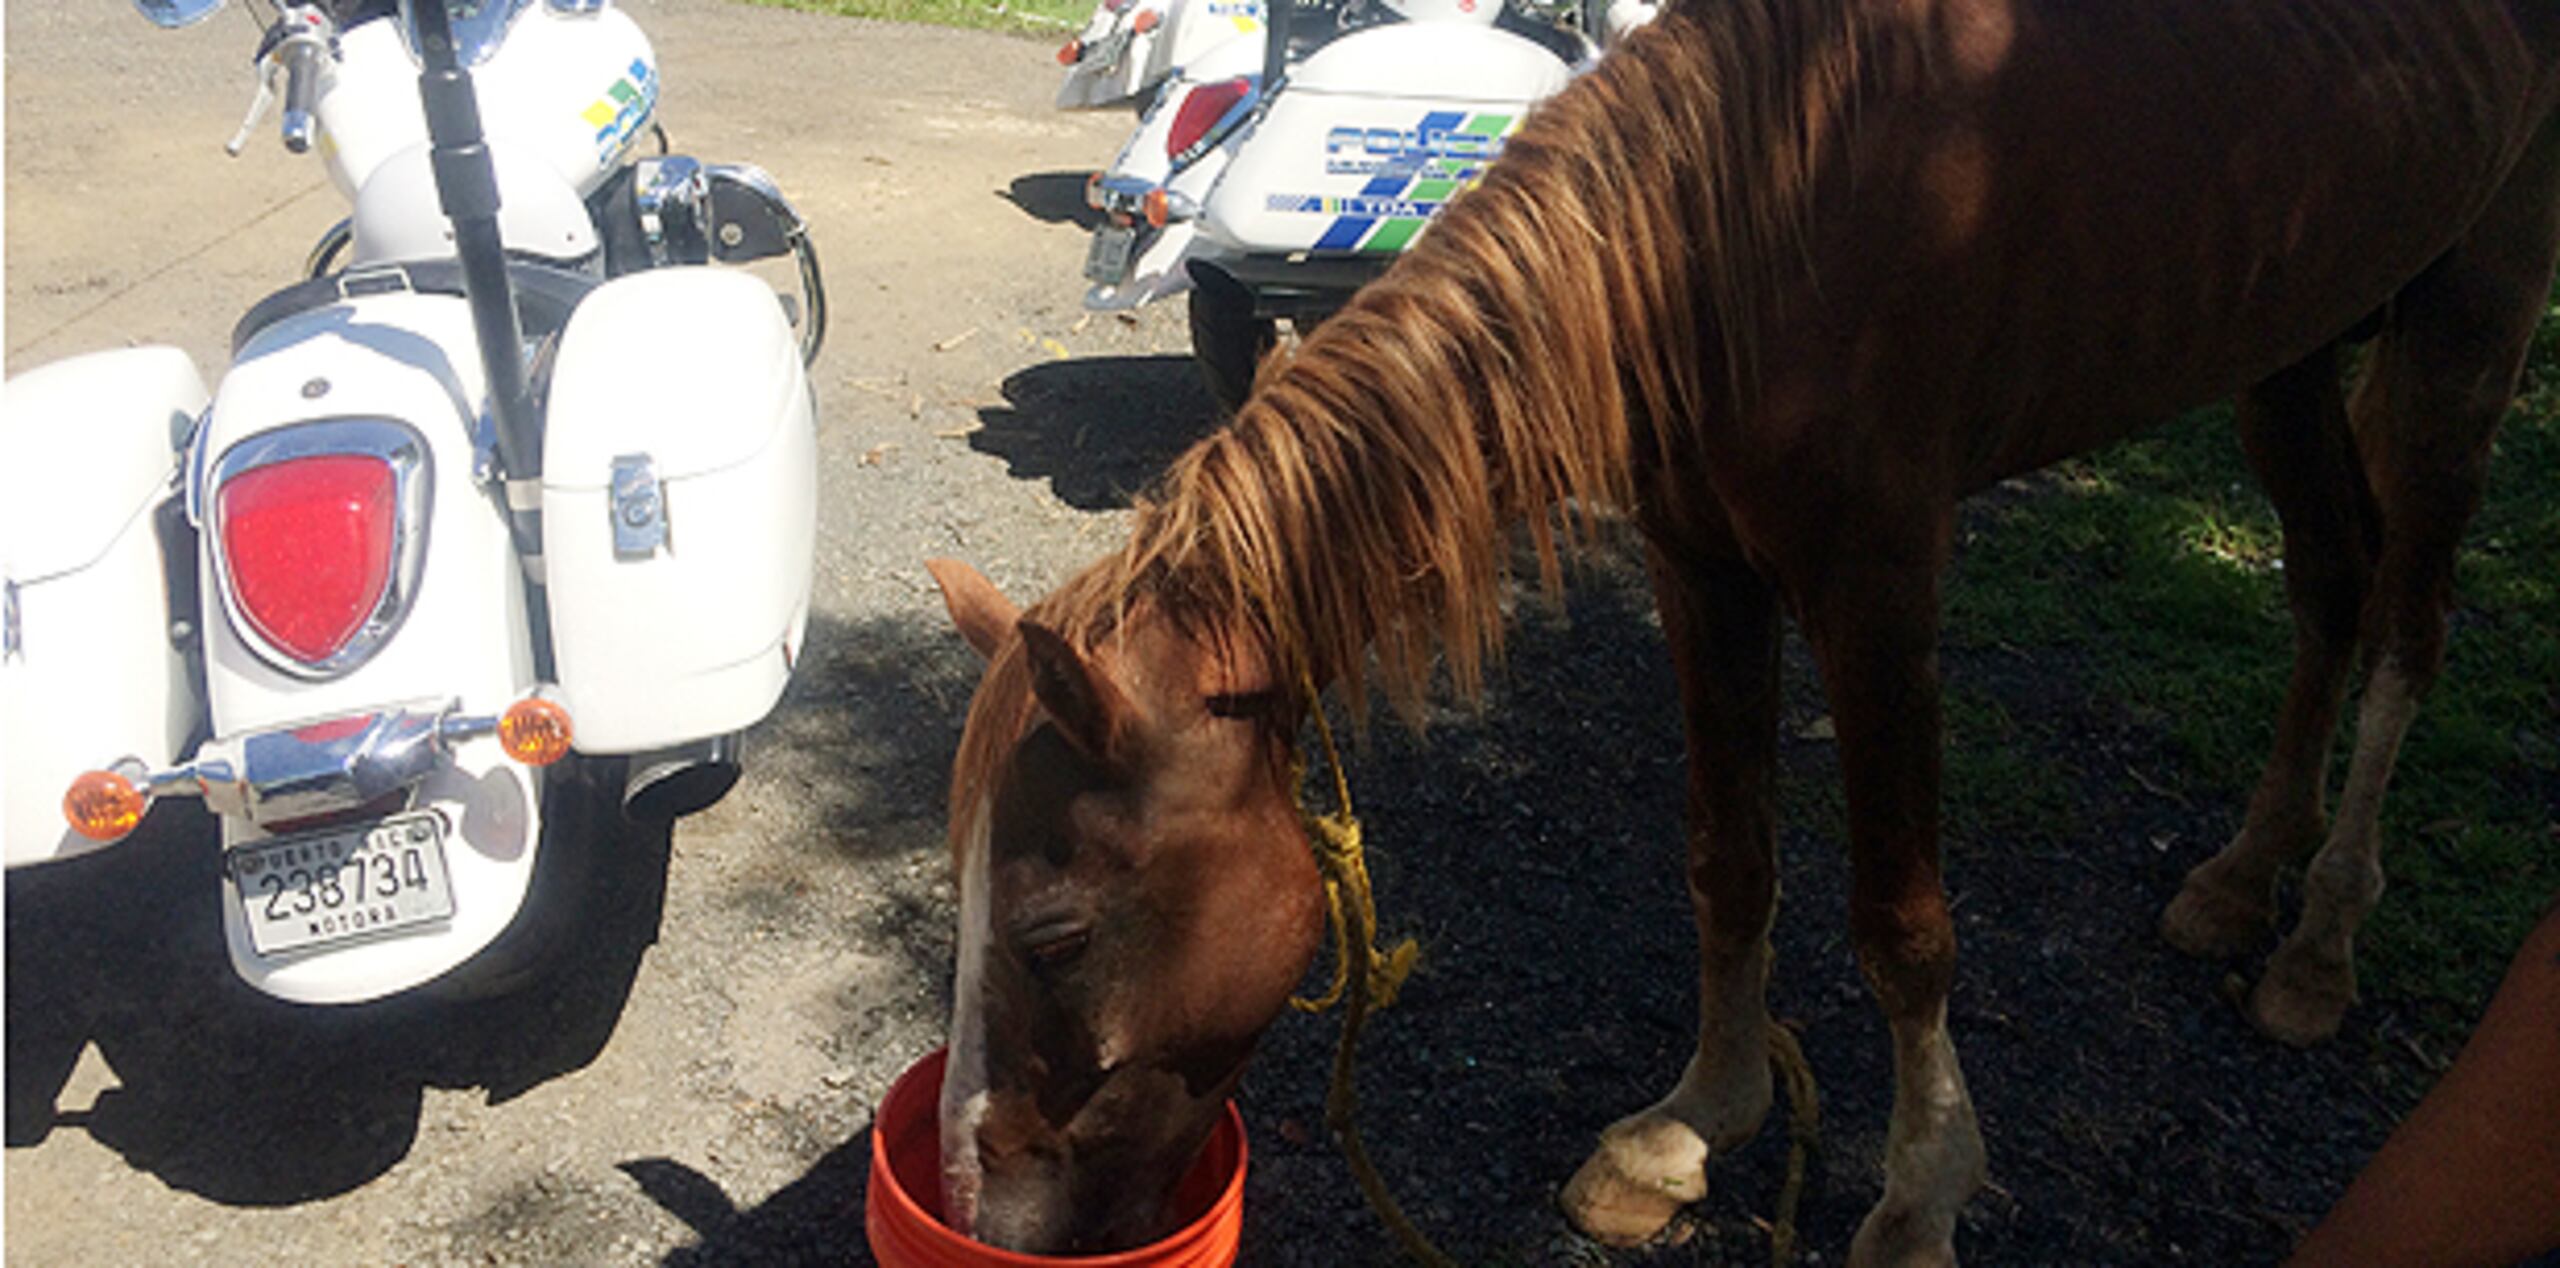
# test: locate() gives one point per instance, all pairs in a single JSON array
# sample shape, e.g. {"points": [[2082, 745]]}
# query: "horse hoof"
{"points": [[2207, 921], [2301, 1003], [1646, 1168]]}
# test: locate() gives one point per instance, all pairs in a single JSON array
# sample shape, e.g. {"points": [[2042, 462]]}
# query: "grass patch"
{"points": [[2000, 785], [2154, 565], [1045, 18]]}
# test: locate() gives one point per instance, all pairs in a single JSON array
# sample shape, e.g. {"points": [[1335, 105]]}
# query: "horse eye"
{"points": [[1243, 704], [1049, 951]]}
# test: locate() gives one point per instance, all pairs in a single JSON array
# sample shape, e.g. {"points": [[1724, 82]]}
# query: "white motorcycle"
{"points": [[1273, 177], [1128, 48], [512, 497]]}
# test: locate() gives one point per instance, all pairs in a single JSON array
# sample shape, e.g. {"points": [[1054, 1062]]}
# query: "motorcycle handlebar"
{"points": [[301, 84]]}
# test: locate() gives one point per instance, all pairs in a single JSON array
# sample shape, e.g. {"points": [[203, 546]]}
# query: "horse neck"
{"points": [[1547, 337]]}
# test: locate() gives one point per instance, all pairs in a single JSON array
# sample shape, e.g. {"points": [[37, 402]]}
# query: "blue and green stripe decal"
{"points": [[1411, 187]]}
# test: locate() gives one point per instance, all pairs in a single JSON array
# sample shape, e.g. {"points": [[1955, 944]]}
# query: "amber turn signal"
{"points": [[1156, 208], [103, 805], [1145, 21], [534, 731]]}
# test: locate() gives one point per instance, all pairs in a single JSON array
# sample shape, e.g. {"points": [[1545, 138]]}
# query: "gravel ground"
{"points": [[697, 1086]]}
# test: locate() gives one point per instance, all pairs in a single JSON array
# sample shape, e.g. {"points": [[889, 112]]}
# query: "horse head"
{"points": [[1136, 903]]}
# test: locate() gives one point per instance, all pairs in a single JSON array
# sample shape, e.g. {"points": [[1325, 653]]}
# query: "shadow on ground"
{"points": [[857, 759], [816, 1219], [237, 1097], [1100, 430], [1054, 198], [1533, 847]]}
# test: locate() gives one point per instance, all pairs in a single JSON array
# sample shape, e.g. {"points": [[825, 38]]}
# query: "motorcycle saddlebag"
{"points": [[1373, 134], [88, 670], [679, 505]]}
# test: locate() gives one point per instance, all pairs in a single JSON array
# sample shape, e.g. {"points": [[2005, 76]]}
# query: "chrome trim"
{"points": [[283, 773], [795, 232], [169, 15], [413, 490], [670, 783], [1127, 195], [762, 183], [1226, 125], [1123, 193], [478, 30], [10, 646], [674, 186], [675, 199], [638, 507], [199, 441], [324, 253], [576, 8]]}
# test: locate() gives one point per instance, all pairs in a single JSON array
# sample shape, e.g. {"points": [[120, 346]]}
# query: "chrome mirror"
{"points": [[172, 14], [479, 27]]}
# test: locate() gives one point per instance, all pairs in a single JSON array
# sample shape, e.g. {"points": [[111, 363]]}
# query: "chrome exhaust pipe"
{"points": [[669, 783]]}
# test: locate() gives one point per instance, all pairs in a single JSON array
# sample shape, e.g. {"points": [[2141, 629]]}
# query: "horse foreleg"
{"points": [[2294, 429], [2439, 380], [1874, 631], [1722, 625]]}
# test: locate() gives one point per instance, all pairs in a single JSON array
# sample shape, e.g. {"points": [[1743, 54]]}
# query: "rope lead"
{"points": [[1343, 861]]}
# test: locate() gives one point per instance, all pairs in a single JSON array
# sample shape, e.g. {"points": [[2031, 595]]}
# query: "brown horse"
{"points": [[1783, 280]]}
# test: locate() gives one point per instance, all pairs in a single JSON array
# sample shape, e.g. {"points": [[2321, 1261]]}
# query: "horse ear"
{"points": [[1087, 706], [977, 607]]}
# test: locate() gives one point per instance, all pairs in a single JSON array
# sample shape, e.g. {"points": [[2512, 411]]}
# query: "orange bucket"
{"points": [[902, 1212]]}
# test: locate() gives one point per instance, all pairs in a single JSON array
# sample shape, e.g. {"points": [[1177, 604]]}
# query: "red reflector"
{"points": [[325, 732], [1200, 112], [308, 543]]}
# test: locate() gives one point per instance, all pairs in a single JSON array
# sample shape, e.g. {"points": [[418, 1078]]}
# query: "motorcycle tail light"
{"points": [[308, 547], [103, 805], [1147, 20], [1204, 117], [1071, 52]]}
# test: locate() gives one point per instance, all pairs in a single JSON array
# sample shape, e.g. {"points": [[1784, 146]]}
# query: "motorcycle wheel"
{"points": [[1228, 340]]}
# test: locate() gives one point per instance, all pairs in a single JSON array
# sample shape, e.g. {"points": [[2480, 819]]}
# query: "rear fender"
{"points": [[1117, 64], [1159, 272], [465, 633]]}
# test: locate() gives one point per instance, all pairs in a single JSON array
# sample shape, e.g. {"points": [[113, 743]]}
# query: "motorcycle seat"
{"points": [[544, 293]]}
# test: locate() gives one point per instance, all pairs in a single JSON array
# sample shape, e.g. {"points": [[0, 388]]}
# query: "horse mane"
{"points": [[1558, 325], [1555, 327]]}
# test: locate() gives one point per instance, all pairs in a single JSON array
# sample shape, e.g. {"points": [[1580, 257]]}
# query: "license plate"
{"points": [[1104, 54], [1107, 260], [344, 884]]}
